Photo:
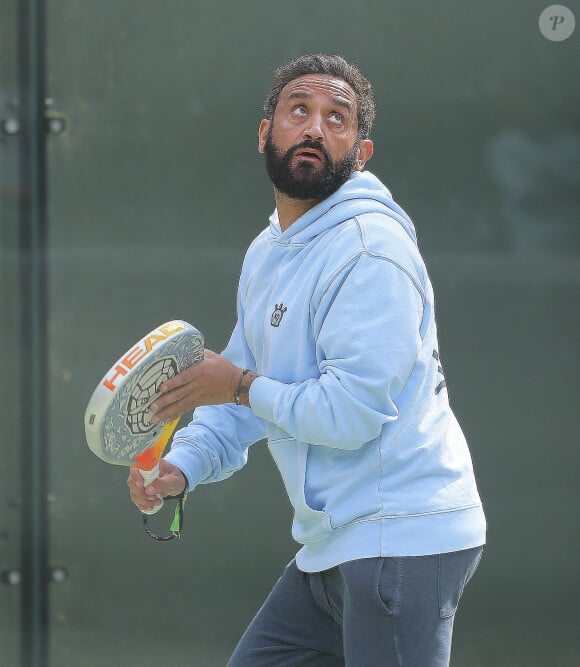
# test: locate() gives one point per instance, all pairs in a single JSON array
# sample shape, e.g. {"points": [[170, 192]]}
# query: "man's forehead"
{"points": [[309, 84]]}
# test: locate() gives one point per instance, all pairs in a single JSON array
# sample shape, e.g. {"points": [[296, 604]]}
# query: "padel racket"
{"points": [[118, 424]]}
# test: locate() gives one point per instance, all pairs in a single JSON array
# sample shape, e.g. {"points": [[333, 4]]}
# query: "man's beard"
{"points": [[307, 181]]}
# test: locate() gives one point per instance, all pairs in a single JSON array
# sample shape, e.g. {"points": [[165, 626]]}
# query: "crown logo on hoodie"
{"points": [[278, 314]]}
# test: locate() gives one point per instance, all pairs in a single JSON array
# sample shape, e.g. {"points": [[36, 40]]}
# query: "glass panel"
{"points": [[156, 189], [136, 214]]}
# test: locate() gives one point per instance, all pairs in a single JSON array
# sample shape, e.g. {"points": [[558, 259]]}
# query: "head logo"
{"points": [[278, 314]]}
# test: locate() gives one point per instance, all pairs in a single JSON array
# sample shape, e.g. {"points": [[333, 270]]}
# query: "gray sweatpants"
{"points": [[375, 612]]}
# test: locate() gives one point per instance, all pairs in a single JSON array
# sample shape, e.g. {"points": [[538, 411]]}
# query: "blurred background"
{"points": [[130, 187]]}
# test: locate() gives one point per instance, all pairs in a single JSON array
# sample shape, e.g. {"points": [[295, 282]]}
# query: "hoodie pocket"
{"points": [[309, 525], [343, 484]]}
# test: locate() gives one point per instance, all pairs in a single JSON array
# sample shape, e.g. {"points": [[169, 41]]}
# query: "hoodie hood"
{"points": [[362, 193]]}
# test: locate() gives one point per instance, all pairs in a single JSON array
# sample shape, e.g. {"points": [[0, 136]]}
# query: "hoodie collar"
{"points": [[362, 193]]}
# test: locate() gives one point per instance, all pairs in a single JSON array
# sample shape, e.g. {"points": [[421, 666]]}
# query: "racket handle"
{"points": [[149, 476]]}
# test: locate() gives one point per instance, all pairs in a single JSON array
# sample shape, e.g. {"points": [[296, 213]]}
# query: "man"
{"points": [[335, 360]]}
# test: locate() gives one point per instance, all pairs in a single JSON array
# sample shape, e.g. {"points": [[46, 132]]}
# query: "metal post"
{"points": [[34, 537]]}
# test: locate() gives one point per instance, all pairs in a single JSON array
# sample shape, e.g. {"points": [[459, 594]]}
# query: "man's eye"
{"points": [[336, 117], [300, 110]]}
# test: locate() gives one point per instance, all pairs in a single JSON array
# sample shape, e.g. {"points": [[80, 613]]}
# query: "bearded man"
{"points": [[335, 360]]}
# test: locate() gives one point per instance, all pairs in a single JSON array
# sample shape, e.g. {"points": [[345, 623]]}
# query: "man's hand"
{"points": [[210, 382], [171, 482]]}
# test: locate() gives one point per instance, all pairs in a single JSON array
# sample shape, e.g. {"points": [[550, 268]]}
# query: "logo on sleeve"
{"points": [[442, 382], [278, 314]]}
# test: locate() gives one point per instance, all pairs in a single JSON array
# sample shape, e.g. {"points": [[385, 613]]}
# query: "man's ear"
{"points": [[262, 134], [365, 153]]}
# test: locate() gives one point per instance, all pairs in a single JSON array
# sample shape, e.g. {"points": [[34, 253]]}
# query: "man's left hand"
{"points": [[209, 382]]}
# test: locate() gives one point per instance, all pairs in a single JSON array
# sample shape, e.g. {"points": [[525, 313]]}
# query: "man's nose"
{"points": [[313, 129]]}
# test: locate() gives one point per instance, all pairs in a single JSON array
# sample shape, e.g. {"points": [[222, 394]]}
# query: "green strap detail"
{"points": [[176, 524]]}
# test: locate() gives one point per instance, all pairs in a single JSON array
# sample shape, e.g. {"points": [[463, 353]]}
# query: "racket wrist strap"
{"points": [[176, 525]]}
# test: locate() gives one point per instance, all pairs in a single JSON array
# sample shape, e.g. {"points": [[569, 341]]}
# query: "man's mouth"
{"points": [[309, 154]]}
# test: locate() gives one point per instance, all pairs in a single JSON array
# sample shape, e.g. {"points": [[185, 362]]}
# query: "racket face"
{"points": [[118, 423]]}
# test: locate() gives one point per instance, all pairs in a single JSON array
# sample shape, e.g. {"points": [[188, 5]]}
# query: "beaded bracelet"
{"points": [[237, 400]]}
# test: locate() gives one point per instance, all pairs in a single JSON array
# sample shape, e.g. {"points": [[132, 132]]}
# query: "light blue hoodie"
{"points": [[336, 315]]}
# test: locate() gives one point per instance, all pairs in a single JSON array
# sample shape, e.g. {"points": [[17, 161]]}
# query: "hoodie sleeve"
{"points": [[367, 328], [215, 443]]}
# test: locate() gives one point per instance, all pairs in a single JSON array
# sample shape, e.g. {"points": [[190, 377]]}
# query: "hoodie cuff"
{"points": [[264, 395], [190, 463]]}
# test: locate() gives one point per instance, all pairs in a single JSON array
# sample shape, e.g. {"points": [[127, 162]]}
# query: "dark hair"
{"points": [[336, 66]]}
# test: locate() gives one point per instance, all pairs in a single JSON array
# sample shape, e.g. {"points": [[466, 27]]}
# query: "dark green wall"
{"points": [[156, 189]]}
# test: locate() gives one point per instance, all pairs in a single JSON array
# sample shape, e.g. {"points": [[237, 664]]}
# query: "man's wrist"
{"points": [[242, 392], [183, 493]]}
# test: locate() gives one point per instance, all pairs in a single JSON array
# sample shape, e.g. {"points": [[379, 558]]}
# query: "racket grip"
{"points": [[149, 476]]}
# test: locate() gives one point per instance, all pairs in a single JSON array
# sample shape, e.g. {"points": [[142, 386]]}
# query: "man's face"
{"points": [[311, 144], [306, 170]]}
